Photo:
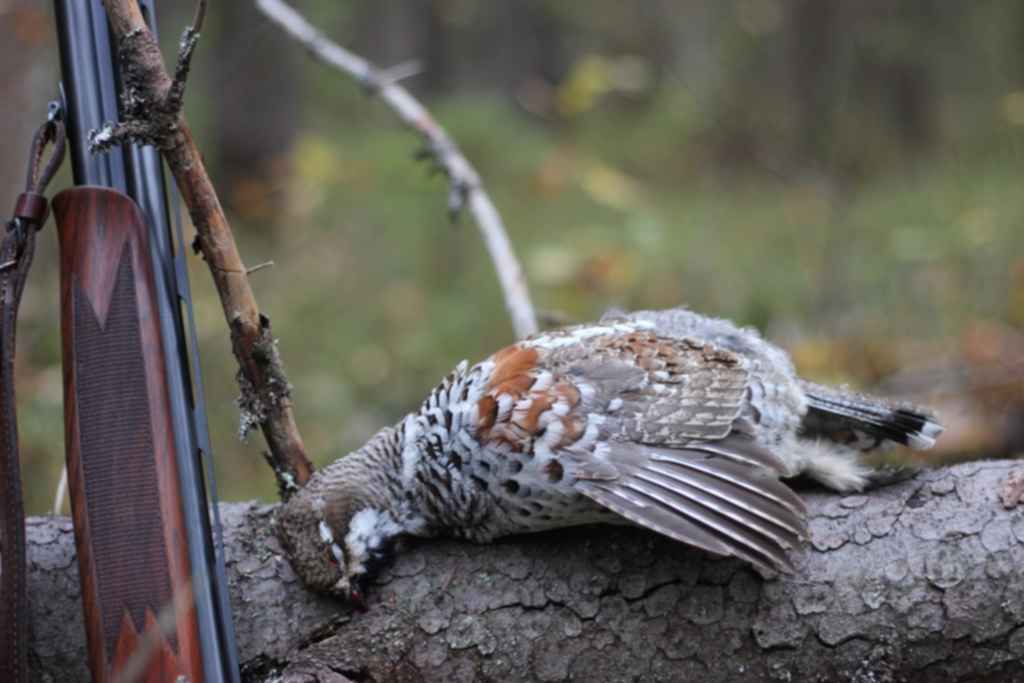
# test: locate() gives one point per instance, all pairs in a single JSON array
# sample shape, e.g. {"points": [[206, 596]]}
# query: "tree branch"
{"points": [[920, 581], [465, 184], [153, 106]]}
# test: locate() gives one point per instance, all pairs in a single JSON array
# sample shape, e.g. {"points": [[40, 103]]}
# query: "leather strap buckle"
{"points": [[32, 208]]}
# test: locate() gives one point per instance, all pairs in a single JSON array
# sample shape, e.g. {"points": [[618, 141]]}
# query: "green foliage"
{"points": [[862, 257], [375, 295]]}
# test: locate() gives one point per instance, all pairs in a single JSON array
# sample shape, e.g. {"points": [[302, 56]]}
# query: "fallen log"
{"points": [[919, 581]]}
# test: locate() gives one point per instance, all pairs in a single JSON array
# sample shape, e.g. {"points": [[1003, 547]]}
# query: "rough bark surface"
{"points": [[920, 581]]}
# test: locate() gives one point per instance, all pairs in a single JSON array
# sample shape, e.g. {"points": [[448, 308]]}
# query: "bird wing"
{"points": [[644, 426], [655, 389], [723, 496]]}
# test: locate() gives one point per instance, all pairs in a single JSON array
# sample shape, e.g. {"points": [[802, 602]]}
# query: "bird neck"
{"points": [[366, 478], [427, 434]]}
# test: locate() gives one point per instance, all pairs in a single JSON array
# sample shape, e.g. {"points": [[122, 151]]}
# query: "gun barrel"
{"points": [[90, 85], [90, 92]]}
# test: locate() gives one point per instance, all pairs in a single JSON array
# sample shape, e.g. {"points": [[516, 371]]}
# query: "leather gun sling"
{"points": [[16, 250]]}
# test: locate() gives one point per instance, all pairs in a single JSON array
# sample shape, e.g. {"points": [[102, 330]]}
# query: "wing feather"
{"points": [[724, 500], [637, 510], [735, 500], [739, 474], [743, 540]]}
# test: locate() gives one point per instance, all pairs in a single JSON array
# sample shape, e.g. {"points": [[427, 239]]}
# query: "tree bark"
{"points": [[920, 581]]}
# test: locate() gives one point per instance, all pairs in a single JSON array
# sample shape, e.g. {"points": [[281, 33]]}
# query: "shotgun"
{"points": [[153, 581]]}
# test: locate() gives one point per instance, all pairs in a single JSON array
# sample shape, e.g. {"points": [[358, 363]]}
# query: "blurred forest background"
{"points": [[846, 175]]}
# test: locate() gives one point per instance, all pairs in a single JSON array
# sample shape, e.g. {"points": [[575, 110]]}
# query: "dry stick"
{"points": [[62, 491], [154, 116], [466, 187]]}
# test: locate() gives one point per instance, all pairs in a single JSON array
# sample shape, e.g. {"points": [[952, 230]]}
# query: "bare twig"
{"points": [[153, 114], [259, 266], [466, 187], [400, 72], [198, 17], [62, 491]]}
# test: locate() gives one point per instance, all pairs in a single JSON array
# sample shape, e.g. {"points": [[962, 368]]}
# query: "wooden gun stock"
{"points": [[125, 493]]}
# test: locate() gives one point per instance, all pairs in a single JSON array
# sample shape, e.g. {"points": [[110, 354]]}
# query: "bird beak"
{"points": [[355, 597]]}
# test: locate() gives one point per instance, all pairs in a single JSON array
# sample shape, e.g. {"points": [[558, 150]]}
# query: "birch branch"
{"points": [[154, 116], [466, 188]]}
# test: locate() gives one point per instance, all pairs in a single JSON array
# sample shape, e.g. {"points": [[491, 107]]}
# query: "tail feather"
{"points": [[836, 414]]}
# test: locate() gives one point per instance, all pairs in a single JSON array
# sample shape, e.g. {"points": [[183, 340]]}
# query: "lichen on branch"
{"points": [[150, 112], [152, 102]]}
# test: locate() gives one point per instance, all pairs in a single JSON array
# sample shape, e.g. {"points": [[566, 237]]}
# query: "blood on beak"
{"points": [[358, 601]]}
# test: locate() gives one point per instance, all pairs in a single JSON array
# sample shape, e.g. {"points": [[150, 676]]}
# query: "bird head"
{"points": [[340, 528], [337, 551]]}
